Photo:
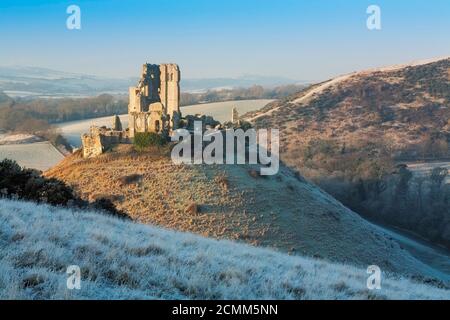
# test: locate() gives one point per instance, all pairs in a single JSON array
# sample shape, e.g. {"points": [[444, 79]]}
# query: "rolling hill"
{"points": [[23, 81], [353, 135], [233, 202], [124, 260], [397, 106]]}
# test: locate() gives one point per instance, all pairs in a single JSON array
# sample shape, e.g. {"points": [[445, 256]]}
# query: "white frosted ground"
{"points": [[38, 155], [125, 260]]}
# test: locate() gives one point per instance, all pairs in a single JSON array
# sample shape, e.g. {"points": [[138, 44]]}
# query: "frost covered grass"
{"points": [[125, 260]]}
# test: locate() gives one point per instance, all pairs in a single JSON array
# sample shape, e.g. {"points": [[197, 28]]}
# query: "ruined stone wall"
{"points": [[135, 101], [92, 145], [152, 74], [100, 139]]}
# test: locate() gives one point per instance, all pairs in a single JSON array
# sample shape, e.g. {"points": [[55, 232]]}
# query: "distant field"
{"points": [[221, 111], [39, 155], [73, 130], [426, 167]]}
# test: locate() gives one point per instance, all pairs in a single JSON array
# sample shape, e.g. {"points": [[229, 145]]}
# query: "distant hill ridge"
{"points": [[41, 82], [398, 105]]}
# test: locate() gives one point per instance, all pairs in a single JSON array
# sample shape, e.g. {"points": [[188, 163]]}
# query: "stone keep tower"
{"points": [[170, 88], [154, 104]]}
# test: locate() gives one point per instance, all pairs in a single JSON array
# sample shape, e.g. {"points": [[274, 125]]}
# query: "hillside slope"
{"points": [[351, 135], [123, 260], [282, 211], [395, 106]]}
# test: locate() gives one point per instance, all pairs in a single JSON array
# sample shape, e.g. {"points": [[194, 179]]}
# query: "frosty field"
{"points": [[221, 111], [124, 260], [38, 155]]}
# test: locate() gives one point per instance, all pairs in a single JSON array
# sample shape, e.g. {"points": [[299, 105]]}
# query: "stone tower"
{"points": [[170, 88], [154, 104], [117, 124]]}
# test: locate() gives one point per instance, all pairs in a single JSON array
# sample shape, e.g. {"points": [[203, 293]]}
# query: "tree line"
{"points": [[21, 114], [254, 92]]}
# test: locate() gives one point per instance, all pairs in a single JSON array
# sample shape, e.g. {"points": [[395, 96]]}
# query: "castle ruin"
{"points": [[154, 106], [155, 102]]}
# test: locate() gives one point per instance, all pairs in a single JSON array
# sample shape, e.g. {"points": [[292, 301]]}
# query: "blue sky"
{"points": [[299, 39]]}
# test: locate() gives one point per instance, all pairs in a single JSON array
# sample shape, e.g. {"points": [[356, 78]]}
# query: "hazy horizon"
{"points": [[298, 40], [49, 68]]}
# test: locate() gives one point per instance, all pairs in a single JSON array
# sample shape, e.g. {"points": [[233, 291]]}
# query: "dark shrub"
{"points": [[28, 184], [143, 140]]}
